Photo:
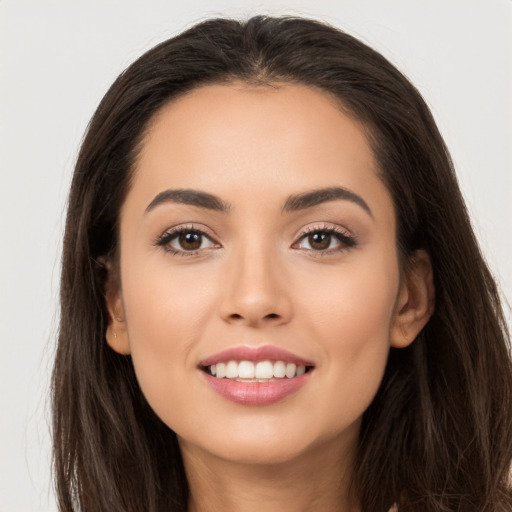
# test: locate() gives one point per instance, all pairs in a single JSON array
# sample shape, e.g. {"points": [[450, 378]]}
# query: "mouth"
{"points": [[256, 375]]}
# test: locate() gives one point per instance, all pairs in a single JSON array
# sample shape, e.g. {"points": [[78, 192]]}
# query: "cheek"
{"points": [[350, 320], [165, 310], [166, 316], [355, 304]]}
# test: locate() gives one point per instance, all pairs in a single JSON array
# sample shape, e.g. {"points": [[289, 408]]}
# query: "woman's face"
{"points": [[257, 224]]}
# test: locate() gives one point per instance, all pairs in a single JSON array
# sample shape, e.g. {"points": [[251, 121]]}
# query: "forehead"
{"points": [[237, 140], [238, 116]]}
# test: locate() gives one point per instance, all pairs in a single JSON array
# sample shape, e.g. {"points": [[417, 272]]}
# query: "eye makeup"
{"points": [[323, 240], [185, 241]]}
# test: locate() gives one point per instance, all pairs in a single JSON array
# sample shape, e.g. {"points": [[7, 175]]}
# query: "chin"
{"points": [[267, 446]]}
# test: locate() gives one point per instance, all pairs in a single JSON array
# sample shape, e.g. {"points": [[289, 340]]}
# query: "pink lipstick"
{"points": [[255, 375]]}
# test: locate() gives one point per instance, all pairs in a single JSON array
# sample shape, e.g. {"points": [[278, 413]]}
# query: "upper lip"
{"points": [[255, 354]]}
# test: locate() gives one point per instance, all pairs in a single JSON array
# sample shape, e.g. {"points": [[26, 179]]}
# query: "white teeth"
{"points": [[279, 369], [232, 370], [290, 370], [263, 370], [246, 370], [221, 370]]}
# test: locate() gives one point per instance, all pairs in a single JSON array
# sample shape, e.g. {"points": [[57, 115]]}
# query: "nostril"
{"points": [[237, 316]]}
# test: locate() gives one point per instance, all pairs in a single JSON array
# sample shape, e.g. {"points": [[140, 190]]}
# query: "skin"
{"points": [[258, 280]]}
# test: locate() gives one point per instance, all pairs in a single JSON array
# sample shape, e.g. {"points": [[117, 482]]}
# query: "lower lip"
{"points": [[256, 393]]}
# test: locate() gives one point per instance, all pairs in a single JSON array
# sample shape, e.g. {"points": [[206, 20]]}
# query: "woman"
{"points": [[272, 298]]}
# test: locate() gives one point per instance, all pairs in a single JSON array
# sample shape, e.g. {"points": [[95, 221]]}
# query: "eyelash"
{"points": [[166, 238], [346, 240]]}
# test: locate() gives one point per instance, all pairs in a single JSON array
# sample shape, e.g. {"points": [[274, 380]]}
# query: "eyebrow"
{"points": [[324, 195], [293, 203], [190, 197]]}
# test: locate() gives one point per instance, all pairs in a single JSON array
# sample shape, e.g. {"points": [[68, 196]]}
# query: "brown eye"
{"points": [[190, 241], [325, 241], [319, 241], [186, 241]]}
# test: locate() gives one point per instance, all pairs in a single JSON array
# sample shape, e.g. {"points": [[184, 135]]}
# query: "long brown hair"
{"points": [[438, 435]]}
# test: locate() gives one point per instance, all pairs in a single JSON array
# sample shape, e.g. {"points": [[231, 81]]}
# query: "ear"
{"points": [[416, 299], [116, 335]]}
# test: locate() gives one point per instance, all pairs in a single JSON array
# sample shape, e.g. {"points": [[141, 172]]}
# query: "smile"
{"points": [[256, 375]]}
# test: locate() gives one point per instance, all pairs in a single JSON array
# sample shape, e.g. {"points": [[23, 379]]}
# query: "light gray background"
{"points": [[58, 59]]}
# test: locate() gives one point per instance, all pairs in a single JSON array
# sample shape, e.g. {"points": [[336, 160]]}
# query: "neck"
{"points": [[315, 481]]}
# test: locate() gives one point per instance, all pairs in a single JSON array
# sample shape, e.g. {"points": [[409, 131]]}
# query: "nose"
{"points": [[254, 290]]}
